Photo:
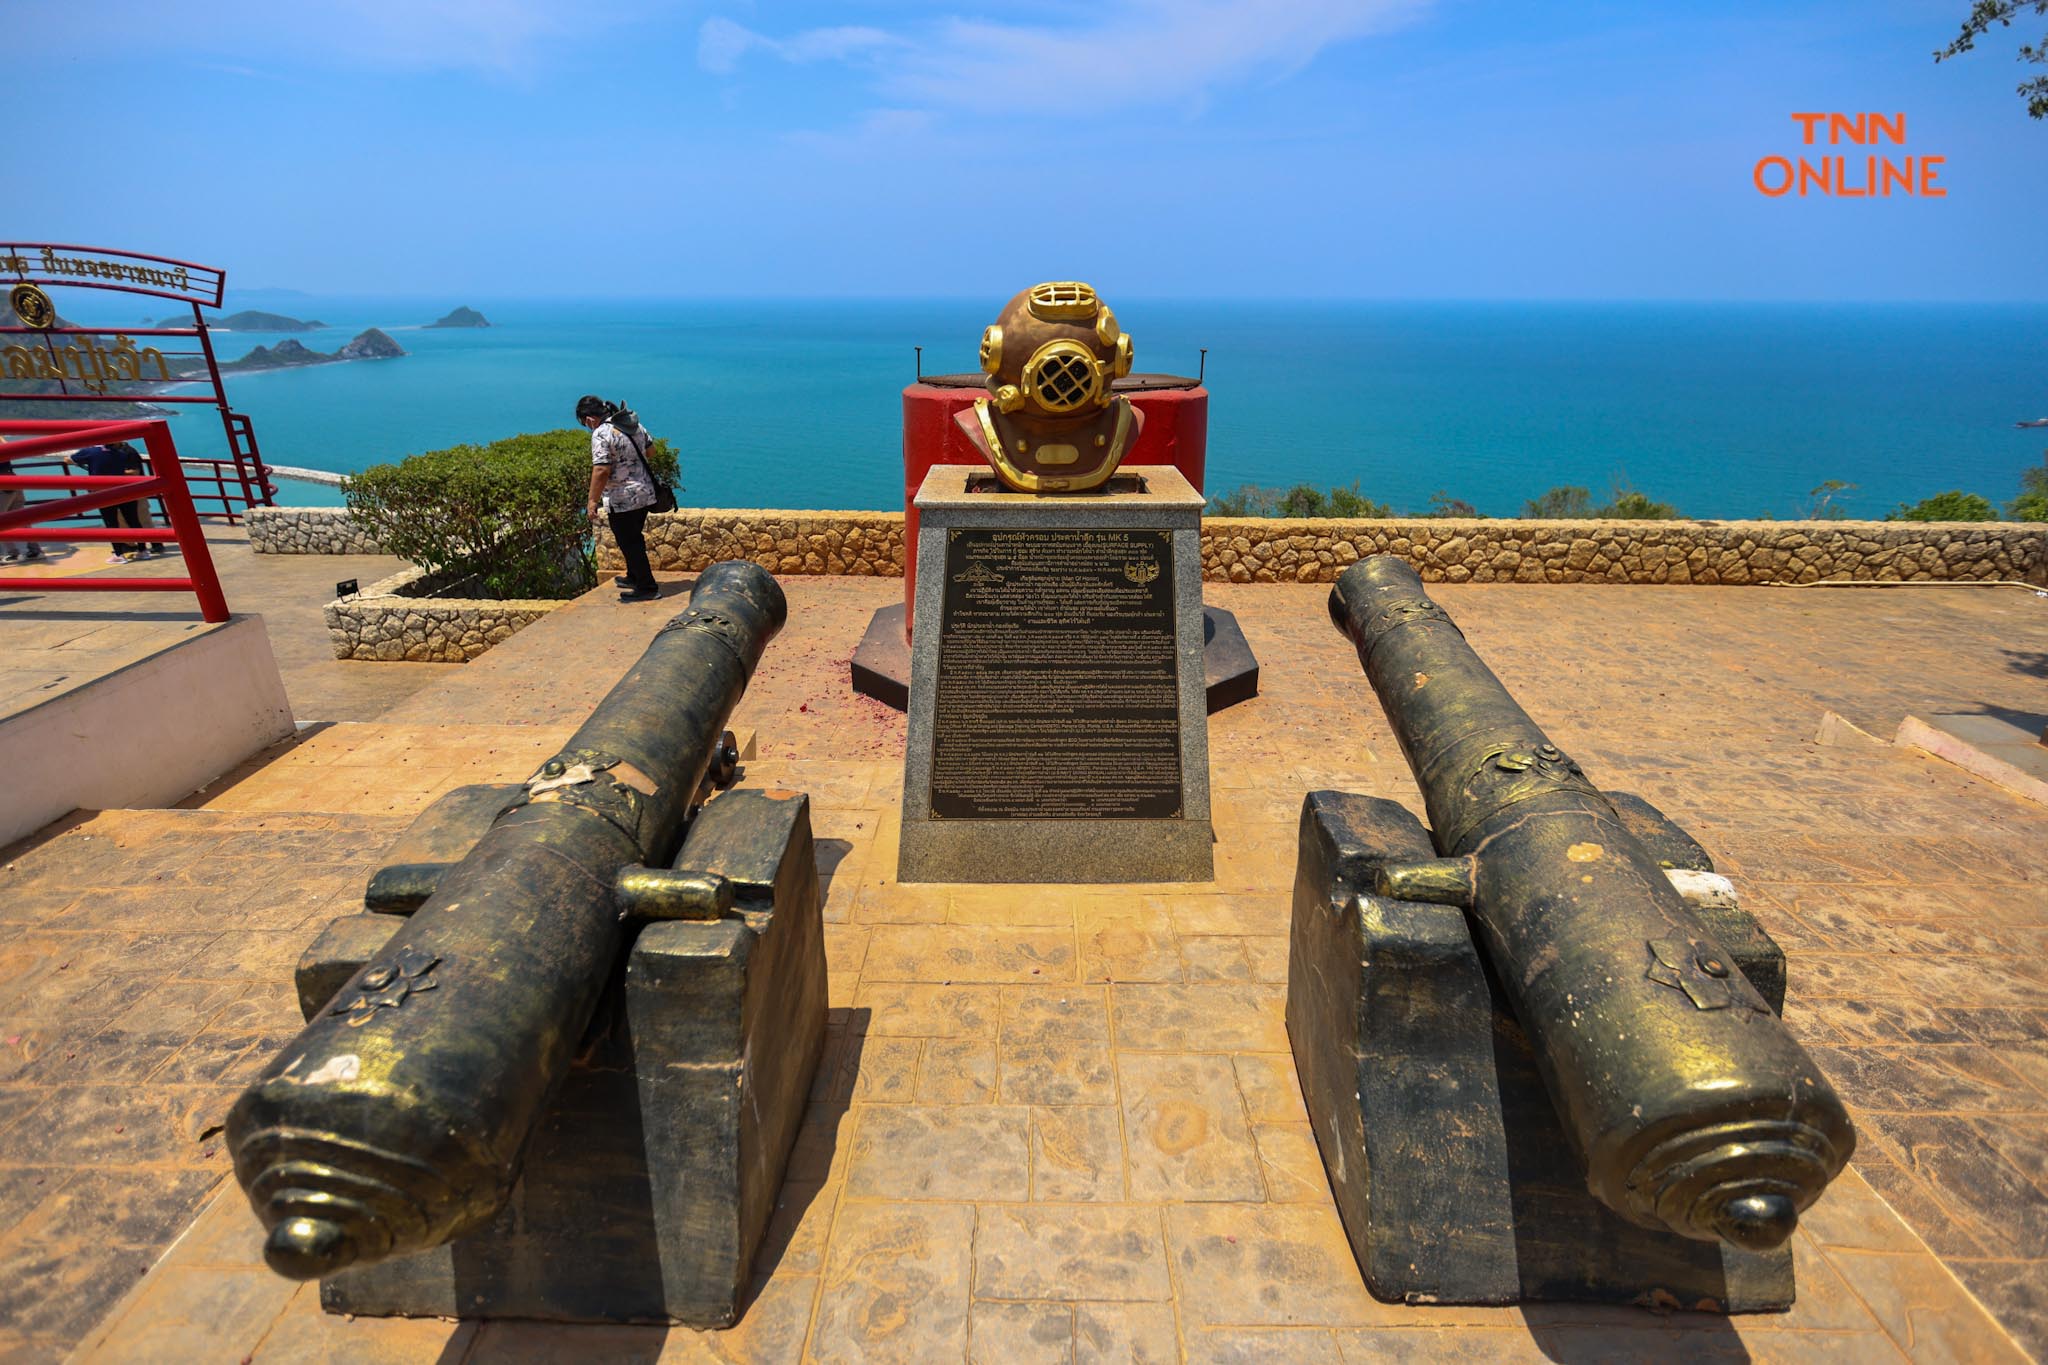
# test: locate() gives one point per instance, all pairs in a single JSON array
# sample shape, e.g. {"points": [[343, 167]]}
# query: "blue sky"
{"points": [[1160, 148]]}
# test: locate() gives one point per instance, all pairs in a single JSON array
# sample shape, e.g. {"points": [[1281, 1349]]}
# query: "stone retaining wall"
{"points": [[308, 531], [864, 544], [1256, 550], [383, 622], [1246, 550]]}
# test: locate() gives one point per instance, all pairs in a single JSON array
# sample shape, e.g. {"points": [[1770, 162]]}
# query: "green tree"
{"points": [[1953, 505], [1985, 13], [1560, 504], [1350, 502], [1302, 500], [1442, 504], [1824, 502], [2032, 503]]}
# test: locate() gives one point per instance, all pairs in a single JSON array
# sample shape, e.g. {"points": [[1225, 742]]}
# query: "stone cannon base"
{"points": [[1455, 1180], [881, 661], [653, 1173]]}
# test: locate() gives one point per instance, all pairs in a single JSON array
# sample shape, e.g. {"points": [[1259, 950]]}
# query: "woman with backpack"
{"points": [[622, 487]]}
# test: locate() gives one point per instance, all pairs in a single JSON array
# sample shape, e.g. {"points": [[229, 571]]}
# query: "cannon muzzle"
{"points": [[1689, 1103], [397, 1119]]}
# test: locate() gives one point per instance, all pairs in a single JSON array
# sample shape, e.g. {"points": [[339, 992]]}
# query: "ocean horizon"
{"points": [[1724, 410]]}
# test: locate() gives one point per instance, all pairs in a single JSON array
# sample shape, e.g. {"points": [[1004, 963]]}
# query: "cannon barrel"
{"points": [[1689, 1103], [397, 1119]]}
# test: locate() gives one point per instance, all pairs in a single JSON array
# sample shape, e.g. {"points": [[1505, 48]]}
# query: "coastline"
{"points": [[1722, 410]]}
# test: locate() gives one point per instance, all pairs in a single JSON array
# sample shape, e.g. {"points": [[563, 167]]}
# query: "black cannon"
{"points": [[1687, 1106], [399, 1118]]}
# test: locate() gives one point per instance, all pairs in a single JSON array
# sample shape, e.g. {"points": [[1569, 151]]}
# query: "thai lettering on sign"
{"points": [[47, 261]]}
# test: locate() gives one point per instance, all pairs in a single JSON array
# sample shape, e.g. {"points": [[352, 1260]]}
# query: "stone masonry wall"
{"points": [[1246, 550], [307, 531], [383, 623], [864, 544], [1256, 550]]}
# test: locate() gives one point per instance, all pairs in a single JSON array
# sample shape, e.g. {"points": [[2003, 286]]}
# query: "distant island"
{"points": [[370, 345], [251, 320], [462, 317]]}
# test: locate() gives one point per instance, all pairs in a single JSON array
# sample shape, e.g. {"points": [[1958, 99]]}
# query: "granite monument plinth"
{"points": [[1058, 713]]}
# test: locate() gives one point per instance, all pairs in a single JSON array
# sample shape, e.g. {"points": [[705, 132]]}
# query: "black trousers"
{"points": [[629, 529], [124, 514]]}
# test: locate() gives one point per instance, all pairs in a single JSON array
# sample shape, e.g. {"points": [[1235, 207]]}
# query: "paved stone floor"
{"points": [[54, 639], [1061, 1123]]}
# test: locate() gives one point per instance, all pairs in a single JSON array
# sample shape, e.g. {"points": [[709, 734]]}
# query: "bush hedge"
{"points": [[1302, 500], [1954, 505], [507, 517]]}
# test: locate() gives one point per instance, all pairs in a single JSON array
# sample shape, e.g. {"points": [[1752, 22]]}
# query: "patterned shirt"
{"points": [[631, 486]]}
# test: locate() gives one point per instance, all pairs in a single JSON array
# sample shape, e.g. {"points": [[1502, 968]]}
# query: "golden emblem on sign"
{"points": [[1142, 572], [32, 306]]}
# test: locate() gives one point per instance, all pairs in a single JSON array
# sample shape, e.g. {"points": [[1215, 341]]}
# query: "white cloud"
{"points": [[1136, 52], [721, 43], [493, 36]]}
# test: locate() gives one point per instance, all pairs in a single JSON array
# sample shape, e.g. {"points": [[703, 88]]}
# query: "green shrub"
{"points": [[1560, 504], [2032, 503], [1629, 505], [508, 514], [1953, 505], [1302, 500], [1349, 502], [1442, 504]]}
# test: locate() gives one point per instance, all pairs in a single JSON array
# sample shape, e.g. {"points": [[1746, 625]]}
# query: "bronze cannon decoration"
{"points": [[399, 1118], [1688, 1108]]}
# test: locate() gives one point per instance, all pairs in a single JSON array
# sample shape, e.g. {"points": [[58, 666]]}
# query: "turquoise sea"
{"points": [[1725, 410]]}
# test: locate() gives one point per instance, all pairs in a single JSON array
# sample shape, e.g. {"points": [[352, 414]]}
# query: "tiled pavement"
{"points": [[51, 637], [1058, 1122]]}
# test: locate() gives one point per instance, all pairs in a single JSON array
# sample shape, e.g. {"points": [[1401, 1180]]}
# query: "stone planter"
{"points": [[393, 620], [307, 531]]}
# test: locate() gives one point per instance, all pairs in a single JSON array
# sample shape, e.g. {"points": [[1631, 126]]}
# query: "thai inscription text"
{"points": [[87, 363], [1058, 683]]}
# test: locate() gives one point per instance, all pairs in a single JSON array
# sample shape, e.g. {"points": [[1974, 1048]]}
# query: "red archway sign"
{"points": [[47, 361]]}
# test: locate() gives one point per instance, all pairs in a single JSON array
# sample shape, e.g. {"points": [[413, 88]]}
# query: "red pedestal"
{"points": [[1176, 432]]}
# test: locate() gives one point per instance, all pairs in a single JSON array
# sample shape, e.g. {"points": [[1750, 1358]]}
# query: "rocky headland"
{"points": [[370, 345], [250, 320]]}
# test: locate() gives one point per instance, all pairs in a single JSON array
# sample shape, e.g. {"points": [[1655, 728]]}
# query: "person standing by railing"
{"points": [[120, 458], [10, 499]]}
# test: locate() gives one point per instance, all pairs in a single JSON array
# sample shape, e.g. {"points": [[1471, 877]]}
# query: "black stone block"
{"points": [[881, 661]]}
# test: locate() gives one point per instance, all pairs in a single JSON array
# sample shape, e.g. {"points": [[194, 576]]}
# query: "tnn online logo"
{"points": [[1844, 175]]}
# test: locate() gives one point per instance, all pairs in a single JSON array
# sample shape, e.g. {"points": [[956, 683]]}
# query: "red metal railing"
{"points": [[165, 482], [217, 486], [90, 374]]}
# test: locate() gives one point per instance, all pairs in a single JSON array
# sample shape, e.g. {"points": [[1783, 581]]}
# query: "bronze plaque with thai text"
{"points": [[1058, 677]]}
